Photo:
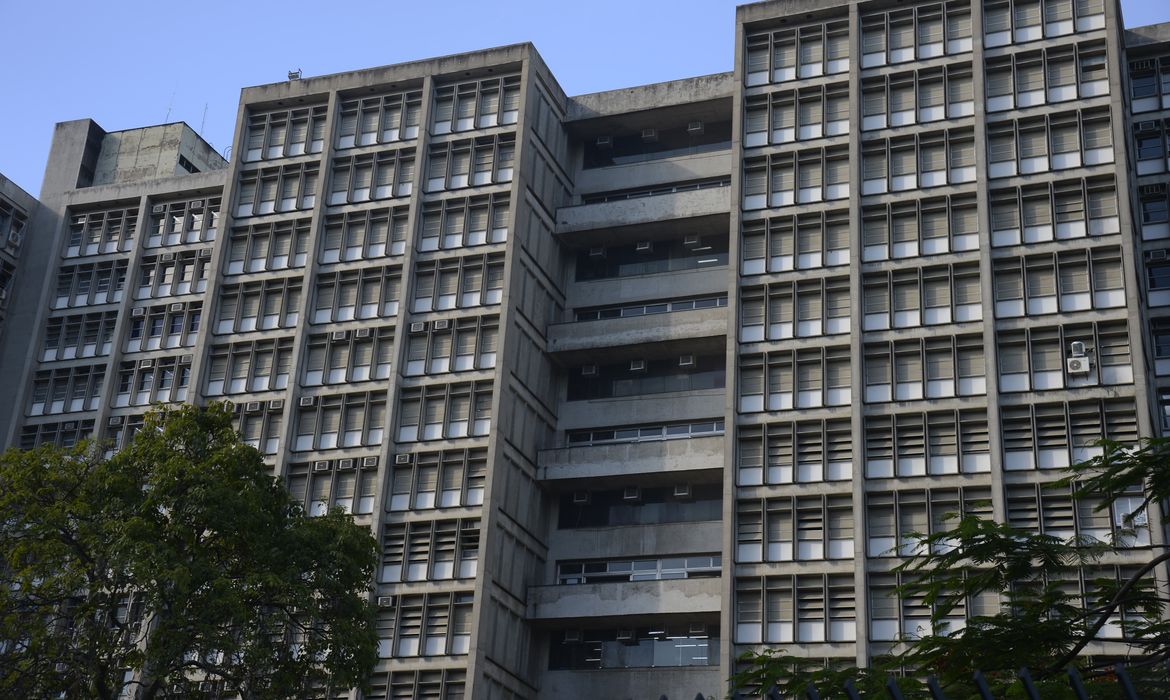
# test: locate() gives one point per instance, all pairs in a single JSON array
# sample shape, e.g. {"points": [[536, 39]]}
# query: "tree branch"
{"points": [[1112, 606]]}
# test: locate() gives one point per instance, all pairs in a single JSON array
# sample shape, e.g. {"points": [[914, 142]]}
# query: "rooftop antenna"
{"points": [[294, 74], [167, 119], [203, 120]]}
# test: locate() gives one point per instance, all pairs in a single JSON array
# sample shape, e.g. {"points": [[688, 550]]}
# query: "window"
{"points": [[485, 104], [466, 344], [658, 645], [90, 233], [269, 190], [372, 177], [446, 411], [90, 284], [357, 294], [331, 422], [285, 133], [273, 303], [68, 390], [430, 550], [380, 119]]}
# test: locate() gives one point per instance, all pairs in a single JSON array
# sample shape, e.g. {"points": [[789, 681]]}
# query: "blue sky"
{"points": [[130, 63]]}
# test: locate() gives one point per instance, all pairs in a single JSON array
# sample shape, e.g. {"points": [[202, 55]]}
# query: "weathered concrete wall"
{"points": [[654, 96], [152, 152]]}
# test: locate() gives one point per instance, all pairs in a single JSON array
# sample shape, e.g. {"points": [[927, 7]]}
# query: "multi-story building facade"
{"points": [[630, 382], [16, 209]]}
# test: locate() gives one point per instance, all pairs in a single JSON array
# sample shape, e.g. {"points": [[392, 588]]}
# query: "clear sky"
{"points": [[131, 63]]}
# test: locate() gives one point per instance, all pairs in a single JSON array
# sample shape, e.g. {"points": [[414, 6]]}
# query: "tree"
{"points": [[175, 563], [1044, 623]]}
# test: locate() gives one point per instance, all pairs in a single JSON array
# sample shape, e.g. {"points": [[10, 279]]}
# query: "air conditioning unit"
{"points": [[340, 335], [589, 371], [362, 333], [176, 307], [114, 421], [597, 253], [418, 327], [581, 498], [168, 257], [402, 458], [1142, 65], [1077, 365], [695, 128], [637, 365], [441, 324], [252, 407], [15, 238], [686, 361], [631, 493], [307, 401], [572, 636], [1157, 255], [643, 246], [1155, 189], [276, 404], [186, 359], [1076, 349], [195, 204], [205, 253], [346, 463], [145, 364], [158, 209], [321, 466], [625, 635], [385, 601], [691, 241], [697, 628], [605, 142], [649, 135], [138, 311], [1147, 126], [682, 490], [71, 425], [369, 461]]}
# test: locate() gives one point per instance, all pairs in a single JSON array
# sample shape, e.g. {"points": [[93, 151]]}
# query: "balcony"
{"points": [[633, 541], [654, 457], [668, 285], [651, 208], [637, 330], [673, 596], [642, 408]]}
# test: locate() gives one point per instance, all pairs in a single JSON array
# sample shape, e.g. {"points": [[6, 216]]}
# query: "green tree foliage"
{"points": [[1043, 623], [176, 562]]}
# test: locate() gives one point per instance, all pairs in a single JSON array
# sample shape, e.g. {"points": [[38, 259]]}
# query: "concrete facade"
{"points": [[18, 211], [628, 383]]}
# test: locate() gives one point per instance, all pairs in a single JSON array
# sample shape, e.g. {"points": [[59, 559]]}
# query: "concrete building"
{"points": [[17, 207], [630, 382]]}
